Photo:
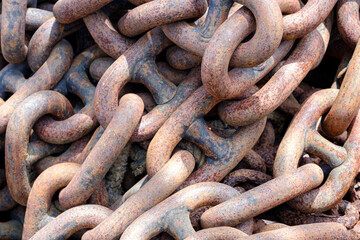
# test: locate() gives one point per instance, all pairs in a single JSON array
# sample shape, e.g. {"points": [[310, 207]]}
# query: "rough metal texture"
{"points": [[17, 137], [159, 12], [45, 78], [13, 45], [137, 63], [71, 221], [6, 200], [151, 122], [302, 22], [105, 35], [302, 135], [45, 38], [181, 59], [347, 102], [196, 39], [153, 192], [38, 212], [223, 154], [70, 155], [35, 18], [104, 152], [308, 52], [172, 215], [223, 80], [263, 197], [99, 66], [228, 85], [318, 231], [75, 81], [68, 11], [217, 233], [174, 129], [268, 26], [348, 21], [345, 213]]}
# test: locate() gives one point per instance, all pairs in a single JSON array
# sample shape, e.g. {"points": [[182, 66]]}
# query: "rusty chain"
{"points": [[183, 119]]}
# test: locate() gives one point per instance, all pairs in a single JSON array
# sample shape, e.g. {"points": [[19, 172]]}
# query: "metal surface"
{"points": [[104, 153], [302, 135], [68, 11], [128, 135]]}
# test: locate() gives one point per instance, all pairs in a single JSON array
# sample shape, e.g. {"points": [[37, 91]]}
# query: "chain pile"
{"points": [[180, 119]]}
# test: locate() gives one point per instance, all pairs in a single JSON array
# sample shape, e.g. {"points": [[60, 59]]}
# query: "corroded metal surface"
{"points": [[268, 21], [301, 23], [71, 154], [130, 134], [344, 160], [45, 78], [150, 123], [38, 213], [321, 231], [6, 200], [68, 11], [99, 66], [77, 82], [152, 14], [104, 153], [73, 220], [348, 21], [215, 73], [223, 154], [217, 233], [172, 216], [307, 53], [181, 59], [263, 197], [165, 182], [138, 62], [104, 34], [20, 124], [195, 38], [35, 17], [348, 219], [45, 38], [347, 102], [13, 45]]}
